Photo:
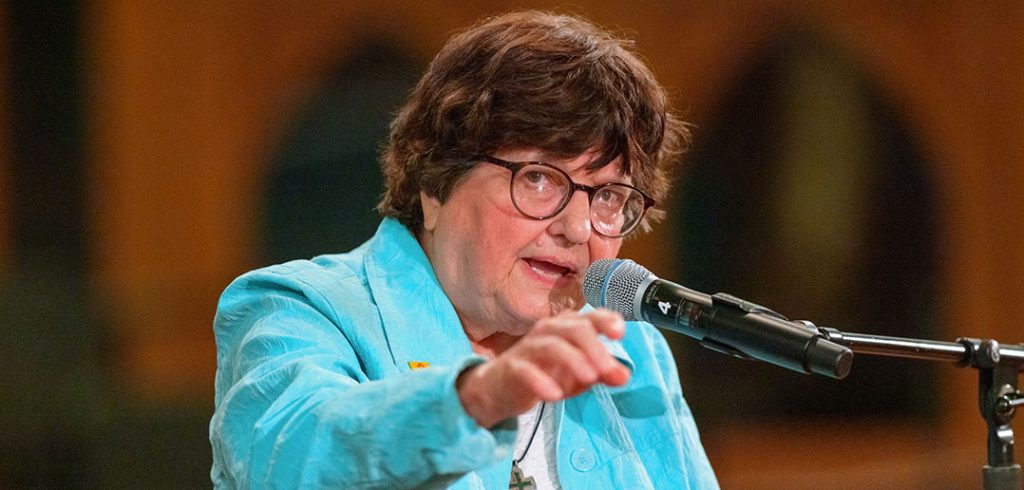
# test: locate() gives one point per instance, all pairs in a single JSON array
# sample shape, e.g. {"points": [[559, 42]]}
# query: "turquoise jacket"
{"points": [[316, 388]]}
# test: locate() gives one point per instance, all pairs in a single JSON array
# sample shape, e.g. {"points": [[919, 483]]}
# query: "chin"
{"points": [[529, 310], [528, 314], [558, 303]]}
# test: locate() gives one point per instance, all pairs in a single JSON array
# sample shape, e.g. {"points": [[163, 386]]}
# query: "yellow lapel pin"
{"points": [[418, 364]]}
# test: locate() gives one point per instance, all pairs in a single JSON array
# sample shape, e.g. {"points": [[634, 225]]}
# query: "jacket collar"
{"points": [[419, 321], [614, 347]]}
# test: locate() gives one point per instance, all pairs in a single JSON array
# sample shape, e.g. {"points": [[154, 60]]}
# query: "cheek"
{"points": [[501, 244], [502, 227], [492, 242]]}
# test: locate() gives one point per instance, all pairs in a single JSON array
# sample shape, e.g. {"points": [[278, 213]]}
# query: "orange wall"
{"points": [[188, 101]]}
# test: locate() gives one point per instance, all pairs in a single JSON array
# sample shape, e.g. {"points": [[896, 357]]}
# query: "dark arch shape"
{"points": [[325, 179], [881, 279]]}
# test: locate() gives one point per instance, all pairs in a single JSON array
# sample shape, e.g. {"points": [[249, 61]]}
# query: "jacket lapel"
{"points": [[420, 323]]}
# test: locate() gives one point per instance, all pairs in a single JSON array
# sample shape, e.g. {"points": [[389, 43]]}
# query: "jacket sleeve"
{"points": [[294, 407]]}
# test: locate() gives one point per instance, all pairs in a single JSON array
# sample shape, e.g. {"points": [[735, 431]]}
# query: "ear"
{"points": [[431, 210]]}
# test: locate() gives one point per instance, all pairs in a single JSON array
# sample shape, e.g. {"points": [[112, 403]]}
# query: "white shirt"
{"points": [[540, 462]]}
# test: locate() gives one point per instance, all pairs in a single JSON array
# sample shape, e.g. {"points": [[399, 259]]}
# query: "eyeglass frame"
{"points": [[515, 167]]}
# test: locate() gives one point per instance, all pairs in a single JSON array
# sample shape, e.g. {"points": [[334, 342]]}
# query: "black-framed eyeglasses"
{"points": [[541, 191]]}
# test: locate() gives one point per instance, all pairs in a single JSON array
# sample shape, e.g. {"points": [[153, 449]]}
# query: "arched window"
{"points": [[325, 179], [806, 193]]}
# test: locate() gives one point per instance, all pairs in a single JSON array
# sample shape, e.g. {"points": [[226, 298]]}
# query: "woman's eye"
{"points": [[536, 178], [610, 197]]}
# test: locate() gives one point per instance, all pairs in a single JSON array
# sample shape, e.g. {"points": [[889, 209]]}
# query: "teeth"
{"points": [[547, 268], [544, 272]]}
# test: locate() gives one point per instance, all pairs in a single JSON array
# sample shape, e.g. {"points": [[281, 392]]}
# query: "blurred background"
{"points": [[858, 164]]}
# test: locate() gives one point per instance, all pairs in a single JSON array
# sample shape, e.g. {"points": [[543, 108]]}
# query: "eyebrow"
{"points": [[548, 158], [544, 156], [620, 177]]}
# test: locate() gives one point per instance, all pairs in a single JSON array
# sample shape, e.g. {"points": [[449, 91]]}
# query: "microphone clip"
{"points": [[730, 301]]}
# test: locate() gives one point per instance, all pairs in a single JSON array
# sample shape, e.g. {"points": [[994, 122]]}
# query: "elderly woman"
{"points": [[454, 348]]}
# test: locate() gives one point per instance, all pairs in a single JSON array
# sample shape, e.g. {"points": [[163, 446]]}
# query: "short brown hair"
{"points": [[528, 79]]}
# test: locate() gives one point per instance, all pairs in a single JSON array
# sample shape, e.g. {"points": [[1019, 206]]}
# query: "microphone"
{"points": [[720, 322]]}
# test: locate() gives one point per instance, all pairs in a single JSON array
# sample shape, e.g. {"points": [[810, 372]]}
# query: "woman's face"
{"points": [[502, 270]]}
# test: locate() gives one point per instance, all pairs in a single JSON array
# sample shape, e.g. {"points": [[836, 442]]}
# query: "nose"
{"points": [[574, 221]]}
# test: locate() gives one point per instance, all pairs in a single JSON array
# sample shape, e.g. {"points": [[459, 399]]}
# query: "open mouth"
{"points": [[547, 269]]}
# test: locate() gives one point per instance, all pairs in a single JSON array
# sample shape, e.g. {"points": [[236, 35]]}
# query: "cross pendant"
{"points": [[517, 482]]}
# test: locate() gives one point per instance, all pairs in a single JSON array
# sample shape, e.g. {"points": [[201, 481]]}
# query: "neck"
{"points": [[493, 345], [485, 342]]}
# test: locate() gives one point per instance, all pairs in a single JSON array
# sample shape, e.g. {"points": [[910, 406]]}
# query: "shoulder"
{"points": [[327, 290], [312, 279]]}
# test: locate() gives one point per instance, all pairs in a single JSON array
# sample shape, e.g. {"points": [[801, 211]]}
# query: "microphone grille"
{"points": [[593, 280], [623, 279]]}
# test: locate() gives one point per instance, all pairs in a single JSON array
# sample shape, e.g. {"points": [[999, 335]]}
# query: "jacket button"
{"points": [[582, 460]]}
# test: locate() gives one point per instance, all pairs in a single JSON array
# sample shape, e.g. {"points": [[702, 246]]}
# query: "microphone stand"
{"points": [[998, 367]]}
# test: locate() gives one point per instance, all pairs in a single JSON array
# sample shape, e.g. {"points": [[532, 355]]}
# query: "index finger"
{"points": [[607, 322]]}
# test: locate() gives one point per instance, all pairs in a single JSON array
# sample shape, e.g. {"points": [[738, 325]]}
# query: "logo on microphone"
{"points": [[664, 307]]}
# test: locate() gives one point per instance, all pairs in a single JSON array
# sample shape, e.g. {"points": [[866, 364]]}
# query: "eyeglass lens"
{"points": [[540, 191]]}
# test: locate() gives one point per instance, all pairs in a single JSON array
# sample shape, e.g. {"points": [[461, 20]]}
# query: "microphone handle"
{"points": [[728, 324]]}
